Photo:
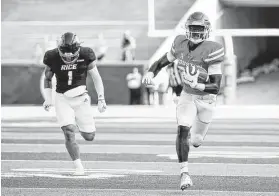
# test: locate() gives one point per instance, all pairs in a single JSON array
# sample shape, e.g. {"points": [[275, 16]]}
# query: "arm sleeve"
{"points": [[215, 69], [216, 54]]}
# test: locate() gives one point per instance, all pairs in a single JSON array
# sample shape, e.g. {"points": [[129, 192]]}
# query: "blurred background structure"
{"points": [[248, 29]]}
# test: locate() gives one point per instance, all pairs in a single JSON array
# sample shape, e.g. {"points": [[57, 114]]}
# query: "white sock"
{"points": [[183, 167], [78, 164]]}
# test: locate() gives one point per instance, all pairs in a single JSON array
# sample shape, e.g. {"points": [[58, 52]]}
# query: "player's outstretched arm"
{"points": [[156, 67], [48, 88], [165, 60], [97, 79], [99, 86]]}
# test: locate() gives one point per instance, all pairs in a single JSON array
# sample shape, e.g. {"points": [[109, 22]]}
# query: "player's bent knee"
{"points": [[69, 132], [204, 119], [88, 136], [196, 140], [87, 128]]}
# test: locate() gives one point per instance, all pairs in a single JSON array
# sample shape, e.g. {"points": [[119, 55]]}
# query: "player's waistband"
{"points": [[63, 95], [196, 94], [212, 97], [206, 97], [76, 91]]}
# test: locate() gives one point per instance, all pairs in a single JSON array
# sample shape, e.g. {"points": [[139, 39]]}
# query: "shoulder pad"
{"points": [[49, 56], [88, 54], [216, 53], [176, 43]]}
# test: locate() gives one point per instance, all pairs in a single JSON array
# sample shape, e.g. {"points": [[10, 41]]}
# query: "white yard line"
{"points": [[135, 192], [14, 168], [167, 151]]}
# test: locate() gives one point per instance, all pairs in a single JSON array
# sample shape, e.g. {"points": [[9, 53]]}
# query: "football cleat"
{"points": [[185, 181], [79, 172]]}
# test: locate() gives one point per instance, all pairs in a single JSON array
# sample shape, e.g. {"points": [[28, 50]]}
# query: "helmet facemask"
{"points": [[197, 33], [69, 50]]}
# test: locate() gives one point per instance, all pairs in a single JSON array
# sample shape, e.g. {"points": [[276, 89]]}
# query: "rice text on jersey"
{"points": [[69, 67]]}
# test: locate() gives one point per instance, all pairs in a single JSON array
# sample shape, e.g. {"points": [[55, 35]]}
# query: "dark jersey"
{"points": [[205, 55], [69, 76]]}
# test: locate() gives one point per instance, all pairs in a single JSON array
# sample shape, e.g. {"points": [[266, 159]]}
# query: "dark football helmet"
{"points": [[197, 27], [69, 47]]}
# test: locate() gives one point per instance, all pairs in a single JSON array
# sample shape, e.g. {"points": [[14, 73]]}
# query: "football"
{"points": [[203, 76]]}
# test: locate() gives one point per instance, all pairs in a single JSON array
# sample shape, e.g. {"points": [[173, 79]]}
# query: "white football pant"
{"points": [[195, 111], [75, 110]]}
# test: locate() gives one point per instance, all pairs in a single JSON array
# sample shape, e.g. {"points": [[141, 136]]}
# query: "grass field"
{"points": [[135, 155]]}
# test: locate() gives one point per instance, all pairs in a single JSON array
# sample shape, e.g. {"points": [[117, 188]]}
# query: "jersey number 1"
{"points": [[70, 77]]}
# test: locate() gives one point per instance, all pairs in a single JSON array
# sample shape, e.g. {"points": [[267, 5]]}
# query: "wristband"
{"points": [[101, 97]]}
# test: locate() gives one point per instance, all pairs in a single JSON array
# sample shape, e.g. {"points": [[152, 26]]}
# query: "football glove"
{"points": [[147, 79], [47, 105], [102, 106]]}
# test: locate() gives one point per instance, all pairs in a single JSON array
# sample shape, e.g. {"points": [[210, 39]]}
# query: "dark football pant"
{"points": [[135, 96]]}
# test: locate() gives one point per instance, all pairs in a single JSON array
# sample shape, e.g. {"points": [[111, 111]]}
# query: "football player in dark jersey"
{"points": [[198, 98], [70, 63]]}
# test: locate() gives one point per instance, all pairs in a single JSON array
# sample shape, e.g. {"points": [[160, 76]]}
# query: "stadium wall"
{"points": [[21, 83], [251, 51]]}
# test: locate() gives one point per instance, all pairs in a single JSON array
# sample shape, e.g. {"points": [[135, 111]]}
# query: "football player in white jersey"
{"points": [[196, 57]]}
